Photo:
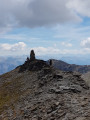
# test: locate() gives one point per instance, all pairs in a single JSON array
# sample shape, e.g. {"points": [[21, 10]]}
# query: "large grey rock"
{"points": [[32, 55]]}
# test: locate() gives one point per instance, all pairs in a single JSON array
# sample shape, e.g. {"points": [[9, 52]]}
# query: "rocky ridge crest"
{"points": [[37, 91]]}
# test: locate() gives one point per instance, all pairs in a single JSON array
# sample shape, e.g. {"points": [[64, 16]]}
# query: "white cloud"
{"points": [[66, 44], [45, 51], [80, 6], [13, 36], [13, 47], [21, 49], [56, 51], [86, 43], [71, 32], [35, 13]]}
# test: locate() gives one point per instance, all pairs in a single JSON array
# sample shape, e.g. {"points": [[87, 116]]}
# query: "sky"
{"points": [[50, 27]]}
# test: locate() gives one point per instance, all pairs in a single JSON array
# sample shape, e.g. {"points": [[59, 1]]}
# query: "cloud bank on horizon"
{"points": [[58, 26]]}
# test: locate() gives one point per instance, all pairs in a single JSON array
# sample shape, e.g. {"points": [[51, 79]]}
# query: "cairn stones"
{"points": [[27, 59], [50, 62], [32, 55]]}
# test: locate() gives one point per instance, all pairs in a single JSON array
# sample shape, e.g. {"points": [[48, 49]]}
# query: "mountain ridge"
{"points": [[9, 63], [61, 65], [29, 93]]}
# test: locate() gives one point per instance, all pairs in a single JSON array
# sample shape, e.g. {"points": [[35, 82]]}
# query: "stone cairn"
{"points": [[33, 64], [50, 62], [32, 55]]}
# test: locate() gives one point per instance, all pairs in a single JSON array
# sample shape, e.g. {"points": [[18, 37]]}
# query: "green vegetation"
{"points": [[10, 92]]}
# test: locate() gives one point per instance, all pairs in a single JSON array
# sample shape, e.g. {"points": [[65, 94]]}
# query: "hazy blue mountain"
{"points": [[9, 63], [79, 60]]}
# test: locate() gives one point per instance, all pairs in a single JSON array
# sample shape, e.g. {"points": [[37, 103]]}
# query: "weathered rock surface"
{"points": [[32, 55], [70, 67], [33, 65], [86, 77], [36, 91]]}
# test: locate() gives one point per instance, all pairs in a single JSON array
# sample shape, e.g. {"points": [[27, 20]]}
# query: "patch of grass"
{"points": [[10, 92], [5, 76]]}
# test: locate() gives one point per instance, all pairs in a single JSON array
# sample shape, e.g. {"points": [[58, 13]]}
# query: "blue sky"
{"points": [[50, 27]]}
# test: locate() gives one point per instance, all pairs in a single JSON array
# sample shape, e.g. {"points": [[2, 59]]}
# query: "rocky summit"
{"points": [[33, 65], [37, 91]]}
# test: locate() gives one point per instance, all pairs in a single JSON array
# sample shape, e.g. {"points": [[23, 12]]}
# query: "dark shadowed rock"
{"points": [[56, 76], [32, 55], [50, 62], [33, 65]]}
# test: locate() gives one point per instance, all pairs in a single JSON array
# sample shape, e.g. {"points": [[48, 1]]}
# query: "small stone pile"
{"points": [[33, 64]]}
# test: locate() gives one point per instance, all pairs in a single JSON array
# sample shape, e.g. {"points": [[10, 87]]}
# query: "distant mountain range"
{"points": [[9, 63], [70, 67]]}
